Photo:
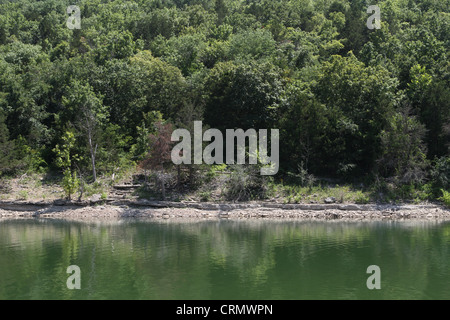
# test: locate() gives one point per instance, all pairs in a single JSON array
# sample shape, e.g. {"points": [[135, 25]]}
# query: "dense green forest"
{"points": [[351, 103]]}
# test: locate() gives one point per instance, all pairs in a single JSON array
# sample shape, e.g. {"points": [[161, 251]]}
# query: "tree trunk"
{"points": [[81, 188], [94, 171], [93, 152], [179, 177], [191, 175], [163, 187]]}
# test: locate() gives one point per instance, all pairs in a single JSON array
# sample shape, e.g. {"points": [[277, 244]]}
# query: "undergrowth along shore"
{"points": [[221, 186]]}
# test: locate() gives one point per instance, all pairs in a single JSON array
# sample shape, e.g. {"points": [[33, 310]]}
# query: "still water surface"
{"points": [[134, 259]]}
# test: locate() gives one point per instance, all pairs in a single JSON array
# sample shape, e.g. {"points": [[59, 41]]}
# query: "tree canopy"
{"points": [[347, 100]]}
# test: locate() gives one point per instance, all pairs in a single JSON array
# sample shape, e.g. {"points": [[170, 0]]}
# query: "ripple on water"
{"points": [[224, 260]]}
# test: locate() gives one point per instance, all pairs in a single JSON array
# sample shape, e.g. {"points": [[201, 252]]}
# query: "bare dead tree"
{"points": [[160, 152]]}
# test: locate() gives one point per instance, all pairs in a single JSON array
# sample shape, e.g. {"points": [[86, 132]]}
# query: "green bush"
{"points": [[213, 171], [302, 177], [440, 174], [23, 195], [361, 198], [445, 198], [426, 192], [31, 159], [205, 195], [246, 183]]}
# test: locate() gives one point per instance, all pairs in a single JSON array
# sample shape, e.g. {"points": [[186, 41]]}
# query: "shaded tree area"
{"points": [[350, 102], [8, 150]]}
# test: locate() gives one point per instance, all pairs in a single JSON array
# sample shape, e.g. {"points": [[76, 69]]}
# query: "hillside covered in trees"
{"points": [[352, 104]]}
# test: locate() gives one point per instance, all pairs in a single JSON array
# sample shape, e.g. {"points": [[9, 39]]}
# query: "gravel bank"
{"points": [[231, 211]]}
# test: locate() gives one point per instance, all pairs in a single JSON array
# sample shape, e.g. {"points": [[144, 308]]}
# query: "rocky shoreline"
{"points": [[202, 210]]}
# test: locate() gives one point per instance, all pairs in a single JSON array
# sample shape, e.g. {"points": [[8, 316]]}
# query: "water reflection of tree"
{"points": [[167, 260]]}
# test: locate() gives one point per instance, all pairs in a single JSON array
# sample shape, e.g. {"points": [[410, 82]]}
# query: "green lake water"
{"points": [[134, 259]]}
